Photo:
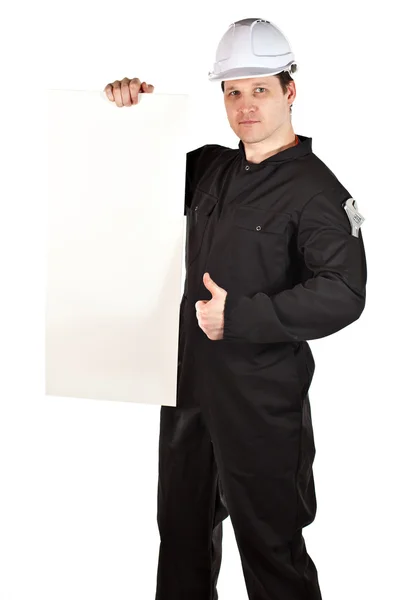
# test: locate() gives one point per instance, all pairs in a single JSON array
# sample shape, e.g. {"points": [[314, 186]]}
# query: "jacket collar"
{"points": [[301, 149]]}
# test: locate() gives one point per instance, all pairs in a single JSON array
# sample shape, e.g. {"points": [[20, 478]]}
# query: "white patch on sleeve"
{"points": [[356, 219]]}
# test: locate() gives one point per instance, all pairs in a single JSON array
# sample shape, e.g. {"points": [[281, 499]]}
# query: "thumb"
{"points": [[211, 285]]}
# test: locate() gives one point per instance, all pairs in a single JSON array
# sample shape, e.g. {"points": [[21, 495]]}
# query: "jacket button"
{"points": [[247, 168], [258, 227]]}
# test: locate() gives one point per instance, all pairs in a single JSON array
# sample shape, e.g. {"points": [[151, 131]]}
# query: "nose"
{"points": [[246, 105]]}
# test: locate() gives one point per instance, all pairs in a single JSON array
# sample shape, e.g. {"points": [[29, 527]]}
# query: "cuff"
{"points": [[231, 325]]}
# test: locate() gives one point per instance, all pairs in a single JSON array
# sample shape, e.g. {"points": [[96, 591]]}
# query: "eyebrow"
{"points": [[257, 84]]}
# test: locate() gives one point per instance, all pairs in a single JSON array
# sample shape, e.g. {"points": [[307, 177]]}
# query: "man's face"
{"points": [[257, 107]]}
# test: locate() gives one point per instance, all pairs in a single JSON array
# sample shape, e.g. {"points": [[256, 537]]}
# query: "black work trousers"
{"points": [[252, 462]]}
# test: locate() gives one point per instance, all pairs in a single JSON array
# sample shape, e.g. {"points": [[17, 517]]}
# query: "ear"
{"points": [[292, 91]]}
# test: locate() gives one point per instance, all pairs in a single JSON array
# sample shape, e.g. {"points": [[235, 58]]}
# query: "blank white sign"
{"points": [[115, 246]]}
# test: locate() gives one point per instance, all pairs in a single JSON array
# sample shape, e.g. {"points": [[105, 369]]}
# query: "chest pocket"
{"points": [[261, 221], [198, 217], [260, 246]]}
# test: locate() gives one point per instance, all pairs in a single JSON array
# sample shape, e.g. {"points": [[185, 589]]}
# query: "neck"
{"points": [[278, 141]]}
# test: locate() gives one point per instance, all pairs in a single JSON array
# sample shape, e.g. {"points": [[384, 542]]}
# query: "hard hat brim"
{"points": [[245, 73]]}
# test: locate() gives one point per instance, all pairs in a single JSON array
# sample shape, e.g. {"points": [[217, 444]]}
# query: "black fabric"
{"points": [[240, 441]]}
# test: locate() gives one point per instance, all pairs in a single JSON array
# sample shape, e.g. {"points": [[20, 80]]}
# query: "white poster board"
{"points": [[115, 247]]}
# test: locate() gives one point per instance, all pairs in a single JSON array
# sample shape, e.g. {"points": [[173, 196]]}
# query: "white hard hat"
{"points": [[252, 48]]}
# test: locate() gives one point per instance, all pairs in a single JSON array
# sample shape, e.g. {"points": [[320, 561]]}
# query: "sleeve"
{"points": [[197, 161], [191, 160], [330, 298]]}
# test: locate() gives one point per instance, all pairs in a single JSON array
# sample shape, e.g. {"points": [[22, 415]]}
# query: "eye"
{"points": [[235, 92]]}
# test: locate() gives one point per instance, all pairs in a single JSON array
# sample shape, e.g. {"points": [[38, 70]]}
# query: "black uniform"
{"points": [[276, 237]]}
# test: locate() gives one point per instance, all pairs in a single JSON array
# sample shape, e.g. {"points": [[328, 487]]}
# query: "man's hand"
{"points": [[210, 313], [125, 92]]}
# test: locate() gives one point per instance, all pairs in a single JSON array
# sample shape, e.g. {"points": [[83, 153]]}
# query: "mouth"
{"points": [[247, 122]]}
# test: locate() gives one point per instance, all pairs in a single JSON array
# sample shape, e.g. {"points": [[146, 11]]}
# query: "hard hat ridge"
{"points": [[252, 48]]}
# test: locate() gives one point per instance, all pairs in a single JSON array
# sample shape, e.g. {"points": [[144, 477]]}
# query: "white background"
{"points": [[78, 477]]}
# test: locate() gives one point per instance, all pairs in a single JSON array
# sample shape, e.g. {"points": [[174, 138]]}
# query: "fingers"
{"points": [[125, 92], [147, 88], [109, 91], [131, 89]]}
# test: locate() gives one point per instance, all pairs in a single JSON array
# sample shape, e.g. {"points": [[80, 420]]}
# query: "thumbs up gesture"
{"points": [[210, 313]]}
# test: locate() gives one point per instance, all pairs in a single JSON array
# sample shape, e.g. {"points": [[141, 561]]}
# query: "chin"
{"points": [[248, 136], [252, 139]]}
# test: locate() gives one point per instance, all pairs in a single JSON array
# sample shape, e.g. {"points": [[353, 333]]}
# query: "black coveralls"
{"points": [[275, 236]]}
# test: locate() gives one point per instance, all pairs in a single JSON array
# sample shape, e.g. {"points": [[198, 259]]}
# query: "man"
{"points": [[274, 257]]}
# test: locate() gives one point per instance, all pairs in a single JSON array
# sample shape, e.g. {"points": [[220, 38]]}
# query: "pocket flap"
{"points": [[261, 220], [202, 202]]}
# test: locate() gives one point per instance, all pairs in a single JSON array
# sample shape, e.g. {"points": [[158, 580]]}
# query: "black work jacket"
{"points": [[276, 237]]}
